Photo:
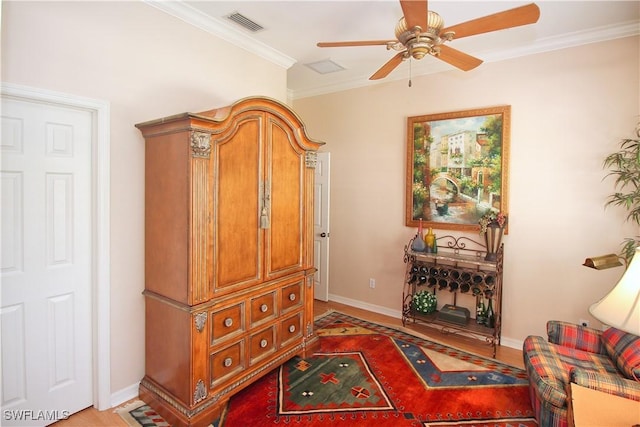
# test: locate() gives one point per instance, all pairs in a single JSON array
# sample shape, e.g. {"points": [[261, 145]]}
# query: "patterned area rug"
{"points": [[366, 374]]}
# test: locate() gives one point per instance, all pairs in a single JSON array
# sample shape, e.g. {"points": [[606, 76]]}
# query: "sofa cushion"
{"points": [[575, 336], [549, 367], [624, 350]]}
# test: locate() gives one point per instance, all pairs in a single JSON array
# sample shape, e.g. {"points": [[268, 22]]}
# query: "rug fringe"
{"points": [[326, 313], [125, 409]]}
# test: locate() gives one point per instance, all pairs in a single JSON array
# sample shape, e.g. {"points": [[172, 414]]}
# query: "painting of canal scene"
{"points": [[457, 167]]}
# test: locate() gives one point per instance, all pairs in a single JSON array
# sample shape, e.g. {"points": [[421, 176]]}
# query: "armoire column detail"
{"points": [[200, 239], [200, 144], [228, 254], [201, 392], [200, 320]]}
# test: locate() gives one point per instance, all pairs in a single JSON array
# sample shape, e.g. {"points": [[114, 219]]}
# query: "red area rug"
{"points": [[367, 374]]}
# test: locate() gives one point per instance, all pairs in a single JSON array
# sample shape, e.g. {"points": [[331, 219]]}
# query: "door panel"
{"points": [[236, 187], [284, 243], [46, 261]]}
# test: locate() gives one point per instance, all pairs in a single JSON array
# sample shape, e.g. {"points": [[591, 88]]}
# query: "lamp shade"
{"points": [[620, 308]]}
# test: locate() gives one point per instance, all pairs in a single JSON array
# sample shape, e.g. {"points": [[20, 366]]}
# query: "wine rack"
{"points": [[458, 272]]}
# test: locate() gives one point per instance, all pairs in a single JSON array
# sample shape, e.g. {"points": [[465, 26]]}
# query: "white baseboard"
{"points": [[511, 343], [397, 314], [127, 393]]}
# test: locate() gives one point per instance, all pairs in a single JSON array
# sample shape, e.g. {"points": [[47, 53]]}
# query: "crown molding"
{"points": [[219, 28]]}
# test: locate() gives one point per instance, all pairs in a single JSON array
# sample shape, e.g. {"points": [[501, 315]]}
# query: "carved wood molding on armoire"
{"points": [[228, 253]]}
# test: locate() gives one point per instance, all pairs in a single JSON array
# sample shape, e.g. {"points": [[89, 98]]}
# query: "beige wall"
{"points": [[147, 65], [569, 110]]}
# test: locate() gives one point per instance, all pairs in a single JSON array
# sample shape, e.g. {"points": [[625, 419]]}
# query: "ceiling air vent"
{"points": [[245, 22], [325, 66]]}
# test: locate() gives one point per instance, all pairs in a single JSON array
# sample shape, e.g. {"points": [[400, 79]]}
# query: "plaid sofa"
{"points": [[607, 361]]}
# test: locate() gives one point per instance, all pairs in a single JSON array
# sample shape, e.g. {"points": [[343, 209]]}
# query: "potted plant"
{"points": [[424, 302], [625, 166]]}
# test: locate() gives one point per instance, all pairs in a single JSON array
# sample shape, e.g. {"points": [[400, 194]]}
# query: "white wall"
{"points": [[147, 65], [570, 108]]}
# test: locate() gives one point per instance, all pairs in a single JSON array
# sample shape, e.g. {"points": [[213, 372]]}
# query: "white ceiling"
{"points": [[292, 29]]}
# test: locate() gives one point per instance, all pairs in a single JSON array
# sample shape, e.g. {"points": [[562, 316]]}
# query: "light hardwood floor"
{"points": [[94, 418]]}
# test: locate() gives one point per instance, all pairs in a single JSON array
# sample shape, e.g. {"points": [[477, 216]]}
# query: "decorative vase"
{"points": [[418, 242], [493, 240]]}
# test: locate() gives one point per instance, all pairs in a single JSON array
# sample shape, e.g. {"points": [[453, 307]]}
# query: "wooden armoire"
{"points": [[228, 253]]}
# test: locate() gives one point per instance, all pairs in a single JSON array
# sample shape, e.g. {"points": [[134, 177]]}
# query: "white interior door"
{"points": [[46, 261], [321, 227]]}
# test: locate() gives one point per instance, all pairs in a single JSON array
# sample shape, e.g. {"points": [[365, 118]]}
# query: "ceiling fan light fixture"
{"points": [[419, 50], [418, 42]]}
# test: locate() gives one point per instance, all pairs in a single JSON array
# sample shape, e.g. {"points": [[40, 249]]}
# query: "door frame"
{"points": [[100, 220], [324, 157]]}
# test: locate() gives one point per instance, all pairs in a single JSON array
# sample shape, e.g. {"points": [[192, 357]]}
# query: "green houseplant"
{"points": [[625, 166]]}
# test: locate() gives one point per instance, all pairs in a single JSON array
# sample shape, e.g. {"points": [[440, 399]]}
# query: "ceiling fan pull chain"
{"points": [[410, 71]]}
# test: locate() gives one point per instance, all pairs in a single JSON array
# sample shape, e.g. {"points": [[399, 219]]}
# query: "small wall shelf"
{"points": [[458, 268]]}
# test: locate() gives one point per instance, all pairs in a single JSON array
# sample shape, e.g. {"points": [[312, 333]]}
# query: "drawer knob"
{"points": [[263, 343], [227, 362], [292, 296], [292, 328], [228, 322], [264, 308]]}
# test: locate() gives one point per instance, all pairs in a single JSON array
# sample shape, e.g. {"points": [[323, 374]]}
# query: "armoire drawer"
{"points": [[227, 322], [226, 362], [290, 329], [263, 308], [262, 343], [291, 296]]}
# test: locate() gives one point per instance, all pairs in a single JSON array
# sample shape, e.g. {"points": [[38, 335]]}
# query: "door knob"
{"points": [[323, 234]]}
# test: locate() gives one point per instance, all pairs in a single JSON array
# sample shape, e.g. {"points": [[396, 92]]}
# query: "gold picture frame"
{"points": [[457, 167]]}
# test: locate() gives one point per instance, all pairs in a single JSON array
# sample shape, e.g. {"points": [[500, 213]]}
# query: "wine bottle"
{"points": [[480, 311], [429, 239], [490, 316]]}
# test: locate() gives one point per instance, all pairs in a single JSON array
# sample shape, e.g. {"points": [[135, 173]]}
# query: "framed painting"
{"points": [[457, 167]]}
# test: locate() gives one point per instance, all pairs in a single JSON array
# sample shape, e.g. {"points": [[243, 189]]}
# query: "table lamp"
{"points": [[620, 308]]}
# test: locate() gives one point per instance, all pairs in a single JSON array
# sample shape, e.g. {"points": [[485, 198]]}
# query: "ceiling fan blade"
{"points": [[522, 15], [355, 43], [388, 67], [457, 58], [415, 13]]}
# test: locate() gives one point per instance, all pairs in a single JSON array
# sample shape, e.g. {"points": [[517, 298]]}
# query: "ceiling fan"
{"points": [[421, 32]]}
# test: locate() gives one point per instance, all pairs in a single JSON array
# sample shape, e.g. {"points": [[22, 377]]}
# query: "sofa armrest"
{"points": [[575, 336], [606, 382]]}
